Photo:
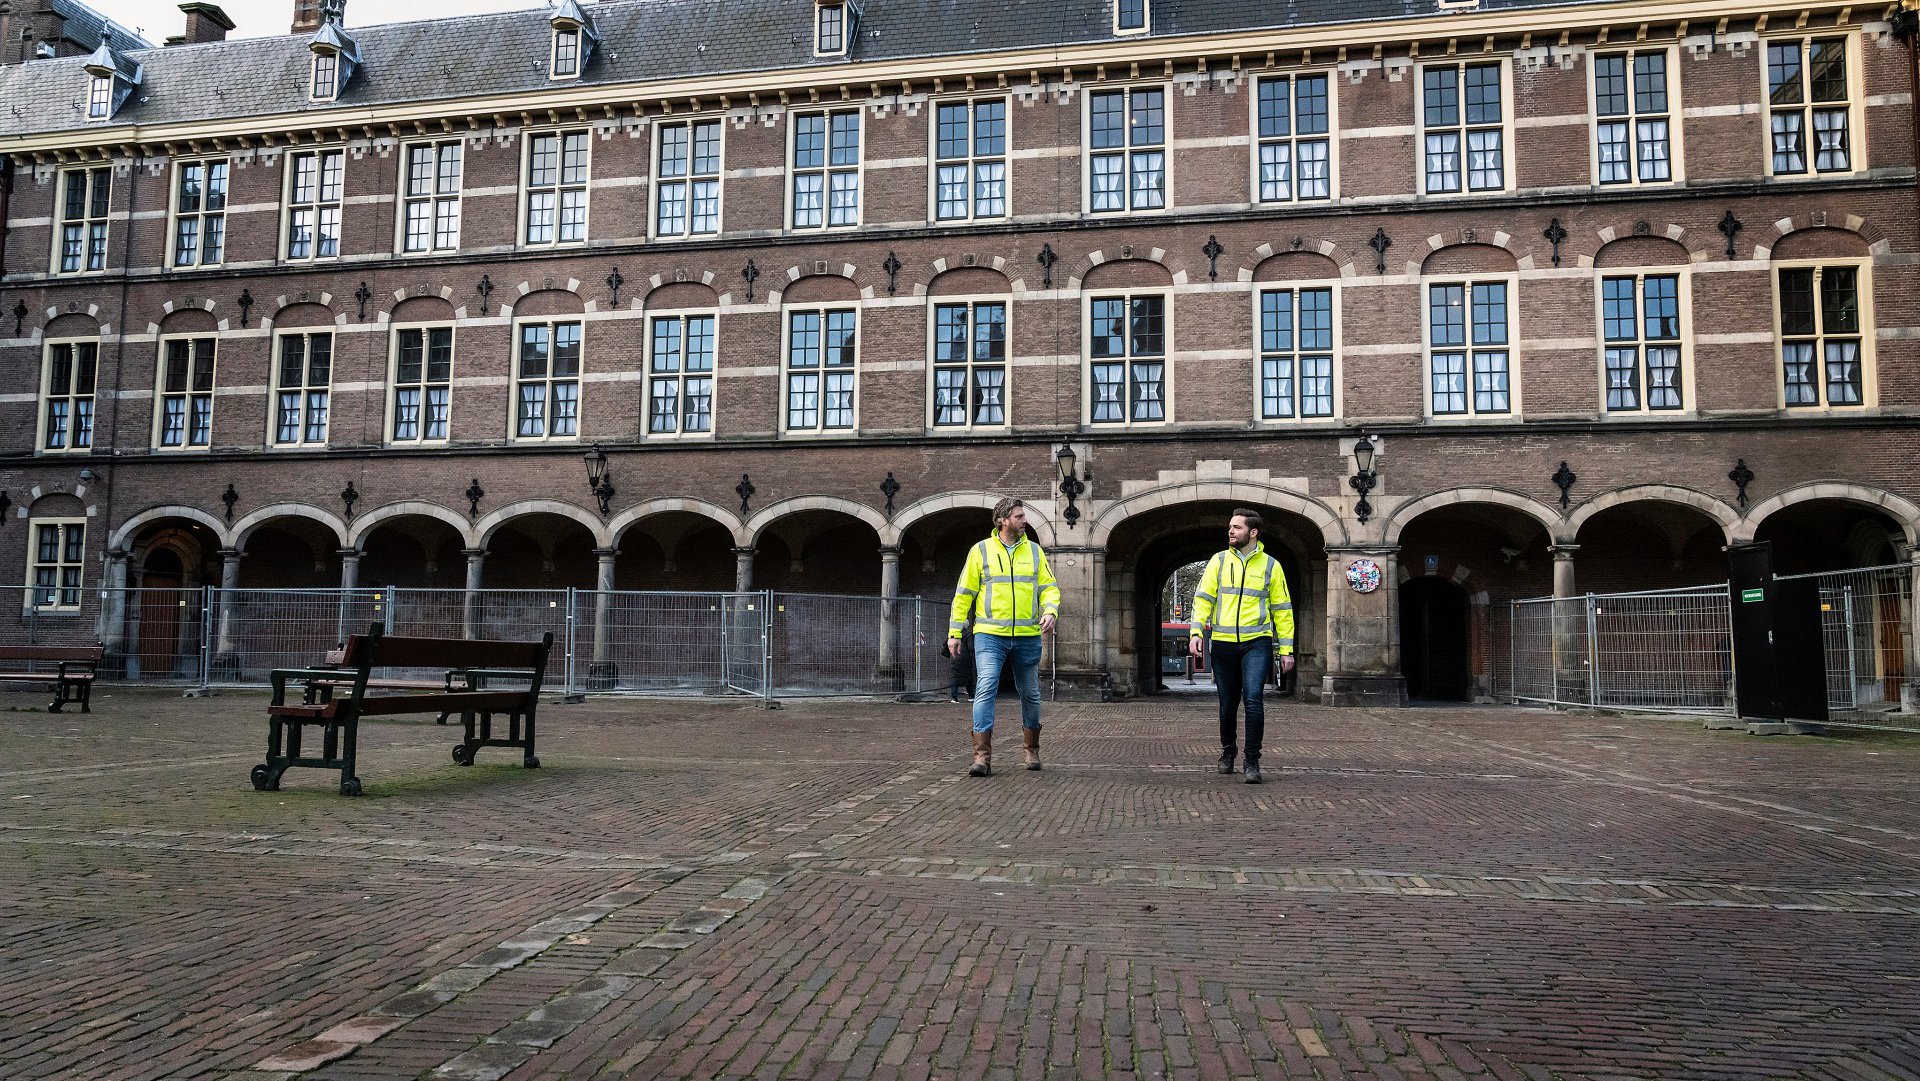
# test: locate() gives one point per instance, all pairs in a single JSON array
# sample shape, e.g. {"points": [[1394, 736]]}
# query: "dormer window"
{"points": [[100, 97], [111, 79], [326, 76], [831, 21], [1130, 16], [334, 57], [573, 38]]}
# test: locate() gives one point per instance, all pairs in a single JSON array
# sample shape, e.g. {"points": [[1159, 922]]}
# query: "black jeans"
{"points": [[1240, 675]]}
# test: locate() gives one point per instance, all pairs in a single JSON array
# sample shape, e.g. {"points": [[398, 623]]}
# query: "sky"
{"points": [[155, 20]]}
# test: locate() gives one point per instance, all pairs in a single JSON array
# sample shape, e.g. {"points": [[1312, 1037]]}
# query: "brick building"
{"points": [[348, 306]]}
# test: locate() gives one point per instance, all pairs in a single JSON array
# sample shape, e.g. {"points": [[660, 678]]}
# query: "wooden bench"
{"points": [[71, 679], [346, 657], [349, 692]]}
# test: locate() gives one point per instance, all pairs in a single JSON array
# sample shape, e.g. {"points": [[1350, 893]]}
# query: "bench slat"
{"points": [[390, 705], [53, 653]]}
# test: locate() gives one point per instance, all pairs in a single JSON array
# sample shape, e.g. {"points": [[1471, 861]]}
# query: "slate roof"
{"points": [[640, 40], [83, 26]]}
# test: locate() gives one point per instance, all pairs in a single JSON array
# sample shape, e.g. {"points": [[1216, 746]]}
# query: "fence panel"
{"points": [[162, 639], [1658, 651], [1867, 628], [670, 643], [822, 644], [503, 614], [254, 631]]}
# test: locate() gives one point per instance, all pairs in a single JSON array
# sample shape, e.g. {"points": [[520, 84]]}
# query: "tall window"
{"points": [[99, 97], [830, 18], [566, 52], [185, 415], [970, 364], [826, 169], [1461, 118], [1632, 131], [200, 213], [547, 382], [326, 75], [86, 195], [1822, 336], [557, 169], [687, 179], [302, 383], [1808, 91], [680, 375], [58, 561], [1129, 16], [1295, 128], [1640, 325], [66, 394], [1128, 343], [970, 160], [821, 357], [430, 206], [315, 190], [1127, 162], [1468, 342], [1296, 353], [422, 383]]}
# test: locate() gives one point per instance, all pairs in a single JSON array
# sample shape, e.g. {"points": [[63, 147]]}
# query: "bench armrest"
{"points": [[280, 677], [88, 666], [500, 673]]}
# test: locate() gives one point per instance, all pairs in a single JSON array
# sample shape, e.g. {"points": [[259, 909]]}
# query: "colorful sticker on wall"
{"points": [[1363, 575]]}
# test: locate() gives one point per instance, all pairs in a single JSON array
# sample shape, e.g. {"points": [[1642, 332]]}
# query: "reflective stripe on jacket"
{"points": [[1244, 599], [1005, 592]]}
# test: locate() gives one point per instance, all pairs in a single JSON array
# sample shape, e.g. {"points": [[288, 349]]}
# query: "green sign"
{"points": [[1752, 596]]}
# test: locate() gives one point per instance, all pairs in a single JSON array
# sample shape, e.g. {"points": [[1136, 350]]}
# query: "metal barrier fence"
{"points": [[1867, 630], [1666, 651]]}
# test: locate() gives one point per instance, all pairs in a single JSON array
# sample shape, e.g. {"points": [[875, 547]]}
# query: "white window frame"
{"points": [[203, 213], [317, 205], [1856, 100], [680, 375], [547, 380], [1633, 118], [1260, 352], [844, 26], [394, 386], [434, 200], [578, 35], [559, 188], [326, 66], [689, 179], [1293, 141], [99, 97], [971, 302], [1126, 152], [1869, 368], [1146, 19], [788, 370], [72, 397], [161, 394], [1472, 414], [1682, 341], [306, 390], [1463, 168], [972, 161], [96, 229], [61, 566], [827, 171], [1166, 358]]}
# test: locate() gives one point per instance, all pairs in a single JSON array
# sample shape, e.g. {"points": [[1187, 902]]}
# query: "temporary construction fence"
{"points": [[1672, 650], [763, 644]]}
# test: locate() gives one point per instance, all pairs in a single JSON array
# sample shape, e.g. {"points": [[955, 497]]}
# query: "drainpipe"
{"points": [[1906, 27]]}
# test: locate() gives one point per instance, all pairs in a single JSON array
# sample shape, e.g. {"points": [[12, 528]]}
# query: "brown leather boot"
{"points": [[1032, 755], [982, 755]]}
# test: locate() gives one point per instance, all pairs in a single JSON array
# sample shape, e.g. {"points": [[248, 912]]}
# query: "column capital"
{"points": [[1081, 549], [1343, 551], [605, 553], [747, 551], [231, 554], [349, 553], [118, 554], [890, 552], [474, 553], [1563, 552]]}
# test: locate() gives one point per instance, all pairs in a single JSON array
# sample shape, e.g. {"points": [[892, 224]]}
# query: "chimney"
{"points": [[205, 22], [306, 16]]}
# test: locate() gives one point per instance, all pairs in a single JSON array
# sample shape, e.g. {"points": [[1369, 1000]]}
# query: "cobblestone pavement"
{"points": [[706, 889]]}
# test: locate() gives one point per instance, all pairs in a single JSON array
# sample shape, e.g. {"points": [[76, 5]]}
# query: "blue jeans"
{"points": [[991, 654], [1240, 675]]}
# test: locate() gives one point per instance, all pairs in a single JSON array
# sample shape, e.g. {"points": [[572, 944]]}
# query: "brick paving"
{"points": [[706, 889]]}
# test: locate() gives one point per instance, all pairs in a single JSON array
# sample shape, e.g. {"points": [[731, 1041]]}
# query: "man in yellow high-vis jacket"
{"points": [[1243, 601], [1008, 588]]}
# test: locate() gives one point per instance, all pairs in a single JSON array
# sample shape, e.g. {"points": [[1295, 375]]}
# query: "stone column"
{"points": [[112, 629], [224, 662], [470, 602], [888, 668], [1363, 632], [1571, 680], [742, 570], [349, 581], [602, 672]]}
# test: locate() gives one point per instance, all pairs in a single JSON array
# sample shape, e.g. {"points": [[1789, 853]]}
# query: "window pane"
{"points": [[1441, 96], [951, 127], [1483, 94], [1108, 114], [1828, 68], [1650, 83], [1796, 301], [1148, 122], [1276, 112], [990, 128], [1783, 73], [1310, 104], [1610, 85], [1839, 301]]}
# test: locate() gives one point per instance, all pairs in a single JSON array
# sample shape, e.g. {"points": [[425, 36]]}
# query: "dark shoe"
{"points": [[1226, 762], [953, 694], [1252, 773]]}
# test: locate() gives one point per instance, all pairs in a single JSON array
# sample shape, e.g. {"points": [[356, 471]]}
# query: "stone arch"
{"points": [[1498, 238], [1332, 531], [244, 528], [72, 311], [423, 309], [1038, 515], [190, 304], [418, 297], [1876, 238], [1642, 251], [187, 321], [1640, 228], [757, 525], [818, 269], [72, 325], [1900, 509], [634, 515], [966, 280], [1123, 254], [131, 528], [301, 314], [1728, 518], [552, 297], [680, 295], [357, 534], [1443, 249], [1298, 244], [1537, 511], [484, 530]]}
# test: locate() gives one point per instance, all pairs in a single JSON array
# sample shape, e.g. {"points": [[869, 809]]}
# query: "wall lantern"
{"points": [[1070, 482], [1363, 478], [597, 480]]}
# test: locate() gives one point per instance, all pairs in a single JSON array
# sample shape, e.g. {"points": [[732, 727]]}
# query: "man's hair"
{"points": [[1254, 521], [1005, 508]]}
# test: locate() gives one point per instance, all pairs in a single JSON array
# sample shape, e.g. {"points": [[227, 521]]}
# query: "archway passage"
{"points": [[1145, 550], [1830, 535], [168, 562], [1436, 640], [1492, 554], [1649, 545]]}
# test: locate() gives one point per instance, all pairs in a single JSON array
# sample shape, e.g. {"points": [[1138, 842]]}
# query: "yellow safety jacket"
{"points": [[1245, 597], [1006, 591]]}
